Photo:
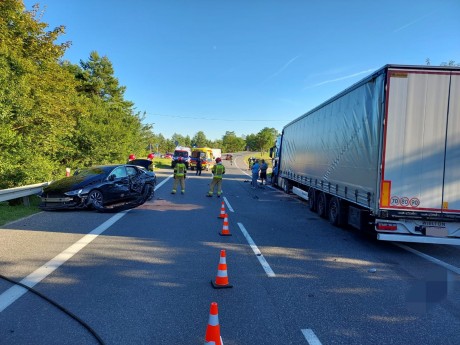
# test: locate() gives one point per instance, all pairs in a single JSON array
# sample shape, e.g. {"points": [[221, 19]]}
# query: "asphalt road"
{"points": [[143, 276]]}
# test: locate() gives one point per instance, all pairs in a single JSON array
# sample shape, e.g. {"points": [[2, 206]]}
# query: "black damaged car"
{"points": [[106, 188]]}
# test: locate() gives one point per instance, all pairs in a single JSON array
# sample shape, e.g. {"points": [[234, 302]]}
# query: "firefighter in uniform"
{"points": [[180, 171], [150, 157], [217, 170]]}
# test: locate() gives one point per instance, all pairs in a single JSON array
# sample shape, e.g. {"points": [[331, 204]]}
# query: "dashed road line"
{"points": [[228, 204], [256, 251], [310, 336]]}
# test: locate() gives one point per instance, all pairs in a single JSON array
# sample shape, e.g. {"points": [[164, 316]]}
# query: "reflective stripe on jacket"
{"points": [[179, 169], [218, 170]]}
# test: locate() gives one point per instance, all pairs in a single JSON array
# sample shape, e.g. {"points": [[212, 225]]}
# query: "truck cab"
{"points": [[184, 152]]}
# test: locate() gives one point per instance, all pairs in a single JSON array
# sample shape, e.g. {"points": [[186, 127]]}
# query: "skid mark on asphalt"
{"points": [[165, 205]]}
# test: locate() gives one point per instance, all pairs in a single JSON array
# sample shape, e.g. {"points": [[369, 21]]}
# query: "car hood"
{"points": [[70, 183]]}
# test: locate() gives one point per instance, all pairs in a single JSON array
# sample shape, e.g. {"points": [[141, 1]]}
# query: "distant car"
{"points": [[168, 155], [228, 157], [105, 188]]}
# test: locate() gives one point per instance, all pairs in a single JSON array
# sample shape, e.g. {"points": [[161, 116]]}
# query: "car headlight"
{"points": [[74, 192]]}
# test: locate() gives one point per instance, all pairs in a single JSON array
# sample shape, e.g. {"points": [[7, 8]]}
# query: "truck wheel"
{"points": [[321, 205], [311, 200], [286, 187], [334, 211]]}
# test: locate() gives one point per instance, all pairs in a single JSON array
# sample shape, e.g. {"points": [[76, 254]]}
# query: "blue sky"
{"points": [[243, 65]]}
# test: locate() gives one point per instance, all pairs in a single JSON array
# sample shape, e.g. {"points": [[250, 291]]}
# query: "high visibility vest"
{"points": [[219, 170], [179, 169]]}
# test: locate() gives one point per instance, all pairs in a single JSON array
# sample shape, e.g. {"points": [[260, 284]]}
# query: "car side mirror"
{"points": [[111, 177]]}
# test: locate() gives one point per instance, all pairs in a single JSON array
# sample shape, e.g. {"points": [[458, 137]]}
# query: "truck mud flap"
{"points": [[358, 218]]}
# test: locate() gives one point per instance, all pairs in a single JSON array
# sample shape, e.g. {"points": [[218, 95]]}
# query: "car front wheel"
{"points": [[96, 199]]}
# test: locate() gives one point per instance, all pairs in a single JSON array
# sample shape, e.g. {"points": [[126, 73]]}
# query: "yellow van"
{"points": [[207, 158]]}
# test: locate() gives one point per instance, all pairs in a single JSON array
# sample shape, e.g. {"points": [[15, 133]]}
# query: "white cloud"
{"points": [[286, 65], [343, 78]]}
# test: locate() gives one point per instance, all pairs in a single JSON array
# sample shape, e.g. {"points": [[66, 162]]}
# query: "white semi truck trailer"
{"points": [[383, 154]]}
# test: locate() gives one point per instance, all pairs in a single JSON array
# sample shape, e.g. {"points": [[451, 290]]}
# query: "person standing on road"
{"points": [[263, 172], [255, 173], [180, 172], [217, 171], [150, 157], [199, 166]]}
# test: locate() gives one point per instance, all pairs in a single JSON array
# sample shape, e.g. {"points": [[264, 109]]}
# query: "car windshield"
{"points": [[89, 171], [181, 154]]}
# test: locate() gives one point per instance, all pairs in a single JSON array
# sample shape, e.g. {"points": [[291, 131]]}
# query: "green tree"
{"points": [[37, 97], [265, 139], [181, 140], [450, 63], [111, 130], [231, 143], [199, 139], [252, 143], [170, 145]]}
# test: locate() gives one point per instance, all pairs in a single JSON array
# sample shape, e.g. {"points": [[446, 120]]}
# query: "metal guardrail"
{"points": [[22, 192]]}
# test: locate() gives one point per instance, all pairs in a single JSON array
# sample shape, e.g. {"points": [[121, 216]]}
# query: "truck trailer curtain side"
{"points": [[384, 152]]}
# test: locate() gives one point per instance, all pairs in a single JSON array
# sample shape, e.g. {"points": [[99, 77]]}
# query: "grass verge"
{"points": [[162, 163], [10, 213]]}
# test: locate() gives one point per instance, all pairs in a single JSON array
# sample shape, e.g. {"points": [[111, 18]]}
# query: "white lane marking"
{"points": [[256, 251], [241, 169], [228, 204], [163, 182], [13, 293], [430, 258], [312, 339]]}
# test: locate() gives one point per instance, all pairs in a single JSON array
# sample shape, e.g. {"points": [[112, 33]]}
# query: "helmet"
{"points": [[180, 159], [150, 156], [218, 160], [132, 157]]}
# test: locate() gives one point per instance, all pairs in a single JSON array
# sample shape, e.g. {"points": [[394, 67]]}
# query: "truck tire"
{"points": [[334, 211], [286, 186], [312, 200], [321, 205]]}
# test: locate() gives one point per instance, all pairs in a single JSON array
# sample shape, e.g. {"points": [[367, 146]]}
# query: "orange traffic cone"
{"points": [[222, 277], [222, 211], [213, 330], [225, 230]]}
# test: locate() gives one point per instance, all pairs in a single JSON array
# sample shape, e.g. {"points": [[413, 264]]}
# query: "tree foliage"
{"points": [[232, 143], [199, 140], [55, 114]]}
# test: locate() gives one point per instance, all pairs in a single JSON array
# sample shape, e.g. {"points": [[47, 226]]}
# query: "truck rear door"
{"points": [[421, 155]]}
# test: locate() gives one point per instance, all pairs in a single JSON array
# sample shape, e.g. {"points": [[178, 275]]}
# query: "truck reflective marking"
{"points": [[386, 190]]}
